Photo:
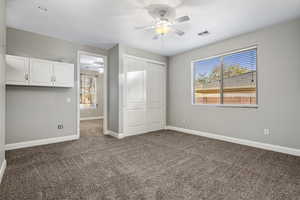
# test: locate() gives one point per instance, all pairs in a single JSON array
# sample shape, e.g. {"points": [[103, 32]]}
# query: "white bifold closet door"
{"points": [[144, 96]]}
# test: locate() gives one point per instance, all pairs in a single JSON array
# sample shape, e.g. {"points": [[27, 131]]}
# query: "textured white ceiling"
{"points": [[104, 23], [91, 63], [86, 59]]}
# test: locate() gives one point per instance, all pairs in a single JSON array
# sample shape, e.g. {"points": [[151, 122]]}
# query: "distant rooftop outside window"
{"points": [[229, 79]]}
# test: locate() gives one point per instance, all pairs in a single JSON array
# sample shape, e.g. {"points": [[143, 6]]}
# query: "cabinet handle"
{"points": [[26, 77]]}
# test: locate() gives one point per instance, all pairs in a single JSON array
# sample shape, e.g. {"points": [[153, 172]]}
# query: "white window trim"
{"points": [[225, 105]]}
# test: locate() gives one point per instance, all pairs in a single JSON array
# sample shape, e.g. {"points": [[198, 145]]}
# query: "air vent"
{"points": [[203, 33], [42, 9]]}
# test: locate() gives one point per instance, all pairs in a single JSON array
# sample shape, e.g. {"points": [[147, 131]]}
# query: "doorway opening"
{"points": [[91, 78]]}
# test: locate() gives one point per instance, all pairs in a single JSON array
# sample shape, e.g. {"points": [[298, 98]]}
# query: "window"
{"points": [[229, 79], [88, 91]]}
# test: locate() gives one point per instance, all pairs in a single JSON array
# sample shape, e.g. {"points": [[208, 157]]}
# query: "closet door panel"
{"points": [[136, 121], [155, 96], [155, 85], [135, 96], [154, 119], [135, 87]]}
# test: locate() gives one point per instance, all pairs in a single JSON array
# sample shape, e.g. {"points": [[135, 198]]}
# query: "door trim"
{"points": [[104, 89]]}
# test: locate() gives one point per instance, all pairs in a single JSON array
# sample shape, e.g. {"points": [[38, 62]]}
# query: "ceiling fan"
{"points": [[165, 20]]}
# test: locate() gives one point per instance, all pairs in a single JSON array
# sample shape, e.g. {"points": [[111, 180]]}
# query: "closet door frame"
{"points": [[124, 107]]}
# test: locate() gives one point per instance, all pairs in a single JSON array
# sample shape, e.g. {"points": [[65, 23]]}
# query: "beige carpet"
{"points": [[159, 165]]}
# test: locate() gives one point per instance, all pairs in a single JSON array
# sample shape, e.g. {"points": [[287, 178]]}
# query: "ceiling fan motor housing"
{"points": [[172, 3], [162, 12]]}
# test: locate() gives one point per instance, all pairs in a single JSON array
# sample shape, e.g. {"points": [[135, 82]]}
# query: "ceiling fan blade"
{"points": [[155, 37], [179, 32], [145, 27], [182, 19]]}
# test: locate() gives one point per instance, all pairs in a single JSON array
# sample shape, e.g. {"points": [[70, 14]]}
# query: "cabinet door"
{"points": [[41, 73], [155, 96], [63, 74], [17, 70], [135, 97]]}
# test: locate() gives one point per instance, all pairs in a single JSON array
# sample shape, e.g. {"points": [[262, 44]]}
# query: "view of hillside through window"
{"points": [[228, 79]]}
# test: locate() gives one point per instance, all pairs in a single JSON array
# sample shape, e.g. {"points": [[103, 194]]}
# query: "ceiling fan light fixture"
{"points": [[162, 30], [165, 20]]}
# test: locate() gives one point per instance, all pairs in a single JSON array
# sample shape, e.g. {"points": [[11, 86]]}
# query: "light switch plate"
{"points": [[266, 131]]}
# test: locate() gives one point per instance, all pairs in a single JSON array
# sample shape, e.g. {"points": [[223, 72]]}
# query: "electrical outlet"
{"points": [[266, 131], [60, 125]]}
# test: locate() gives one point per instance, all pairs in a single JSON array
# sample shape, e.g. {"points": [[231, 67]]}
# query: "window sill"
{"points": [[229, 105]]}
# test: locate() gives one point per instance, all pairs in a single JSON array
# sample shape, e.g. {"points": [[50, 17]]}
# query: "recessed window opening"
{"points": [[230, 79]]}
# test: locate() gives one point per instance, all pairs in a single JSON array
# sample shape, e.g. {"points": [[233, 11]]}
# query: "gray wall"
{"points": [[33, 112], [278, 89], [2, 79], [98, 112]]}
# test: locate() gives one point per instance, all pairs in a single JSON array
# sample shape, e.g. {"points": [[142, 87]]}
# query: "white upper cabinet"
{"points": [[38, 72], [63, 74], [17, 70], [41, 72]]}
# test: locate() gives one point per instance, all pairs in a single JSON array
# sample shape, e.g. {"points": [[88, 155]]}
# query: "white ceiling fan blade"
{"points": [[155, 37], [149, 27], [182, 19], [179, 32]]}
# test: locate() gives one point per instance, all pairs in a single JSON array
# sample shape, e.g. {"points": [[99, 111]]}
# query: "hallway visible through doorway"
{"points": [[91, 127], [92, 94]]}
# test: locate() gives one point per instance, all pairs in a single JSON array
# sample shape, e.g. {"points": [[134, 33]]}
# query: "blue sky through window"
{"points": [[246, 59]]}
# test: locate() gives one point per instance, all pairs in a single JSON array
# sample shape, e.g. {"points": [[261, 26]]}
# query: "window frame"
{"points": [[221, 85]]}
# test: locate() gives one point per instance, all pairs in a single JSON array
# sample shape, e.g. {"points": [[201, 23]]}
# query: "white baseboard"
{"points": [[114, 134], [2, 170], [132, 134], [91, 118], [121, 135], [33, 143], [271, 147]]}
